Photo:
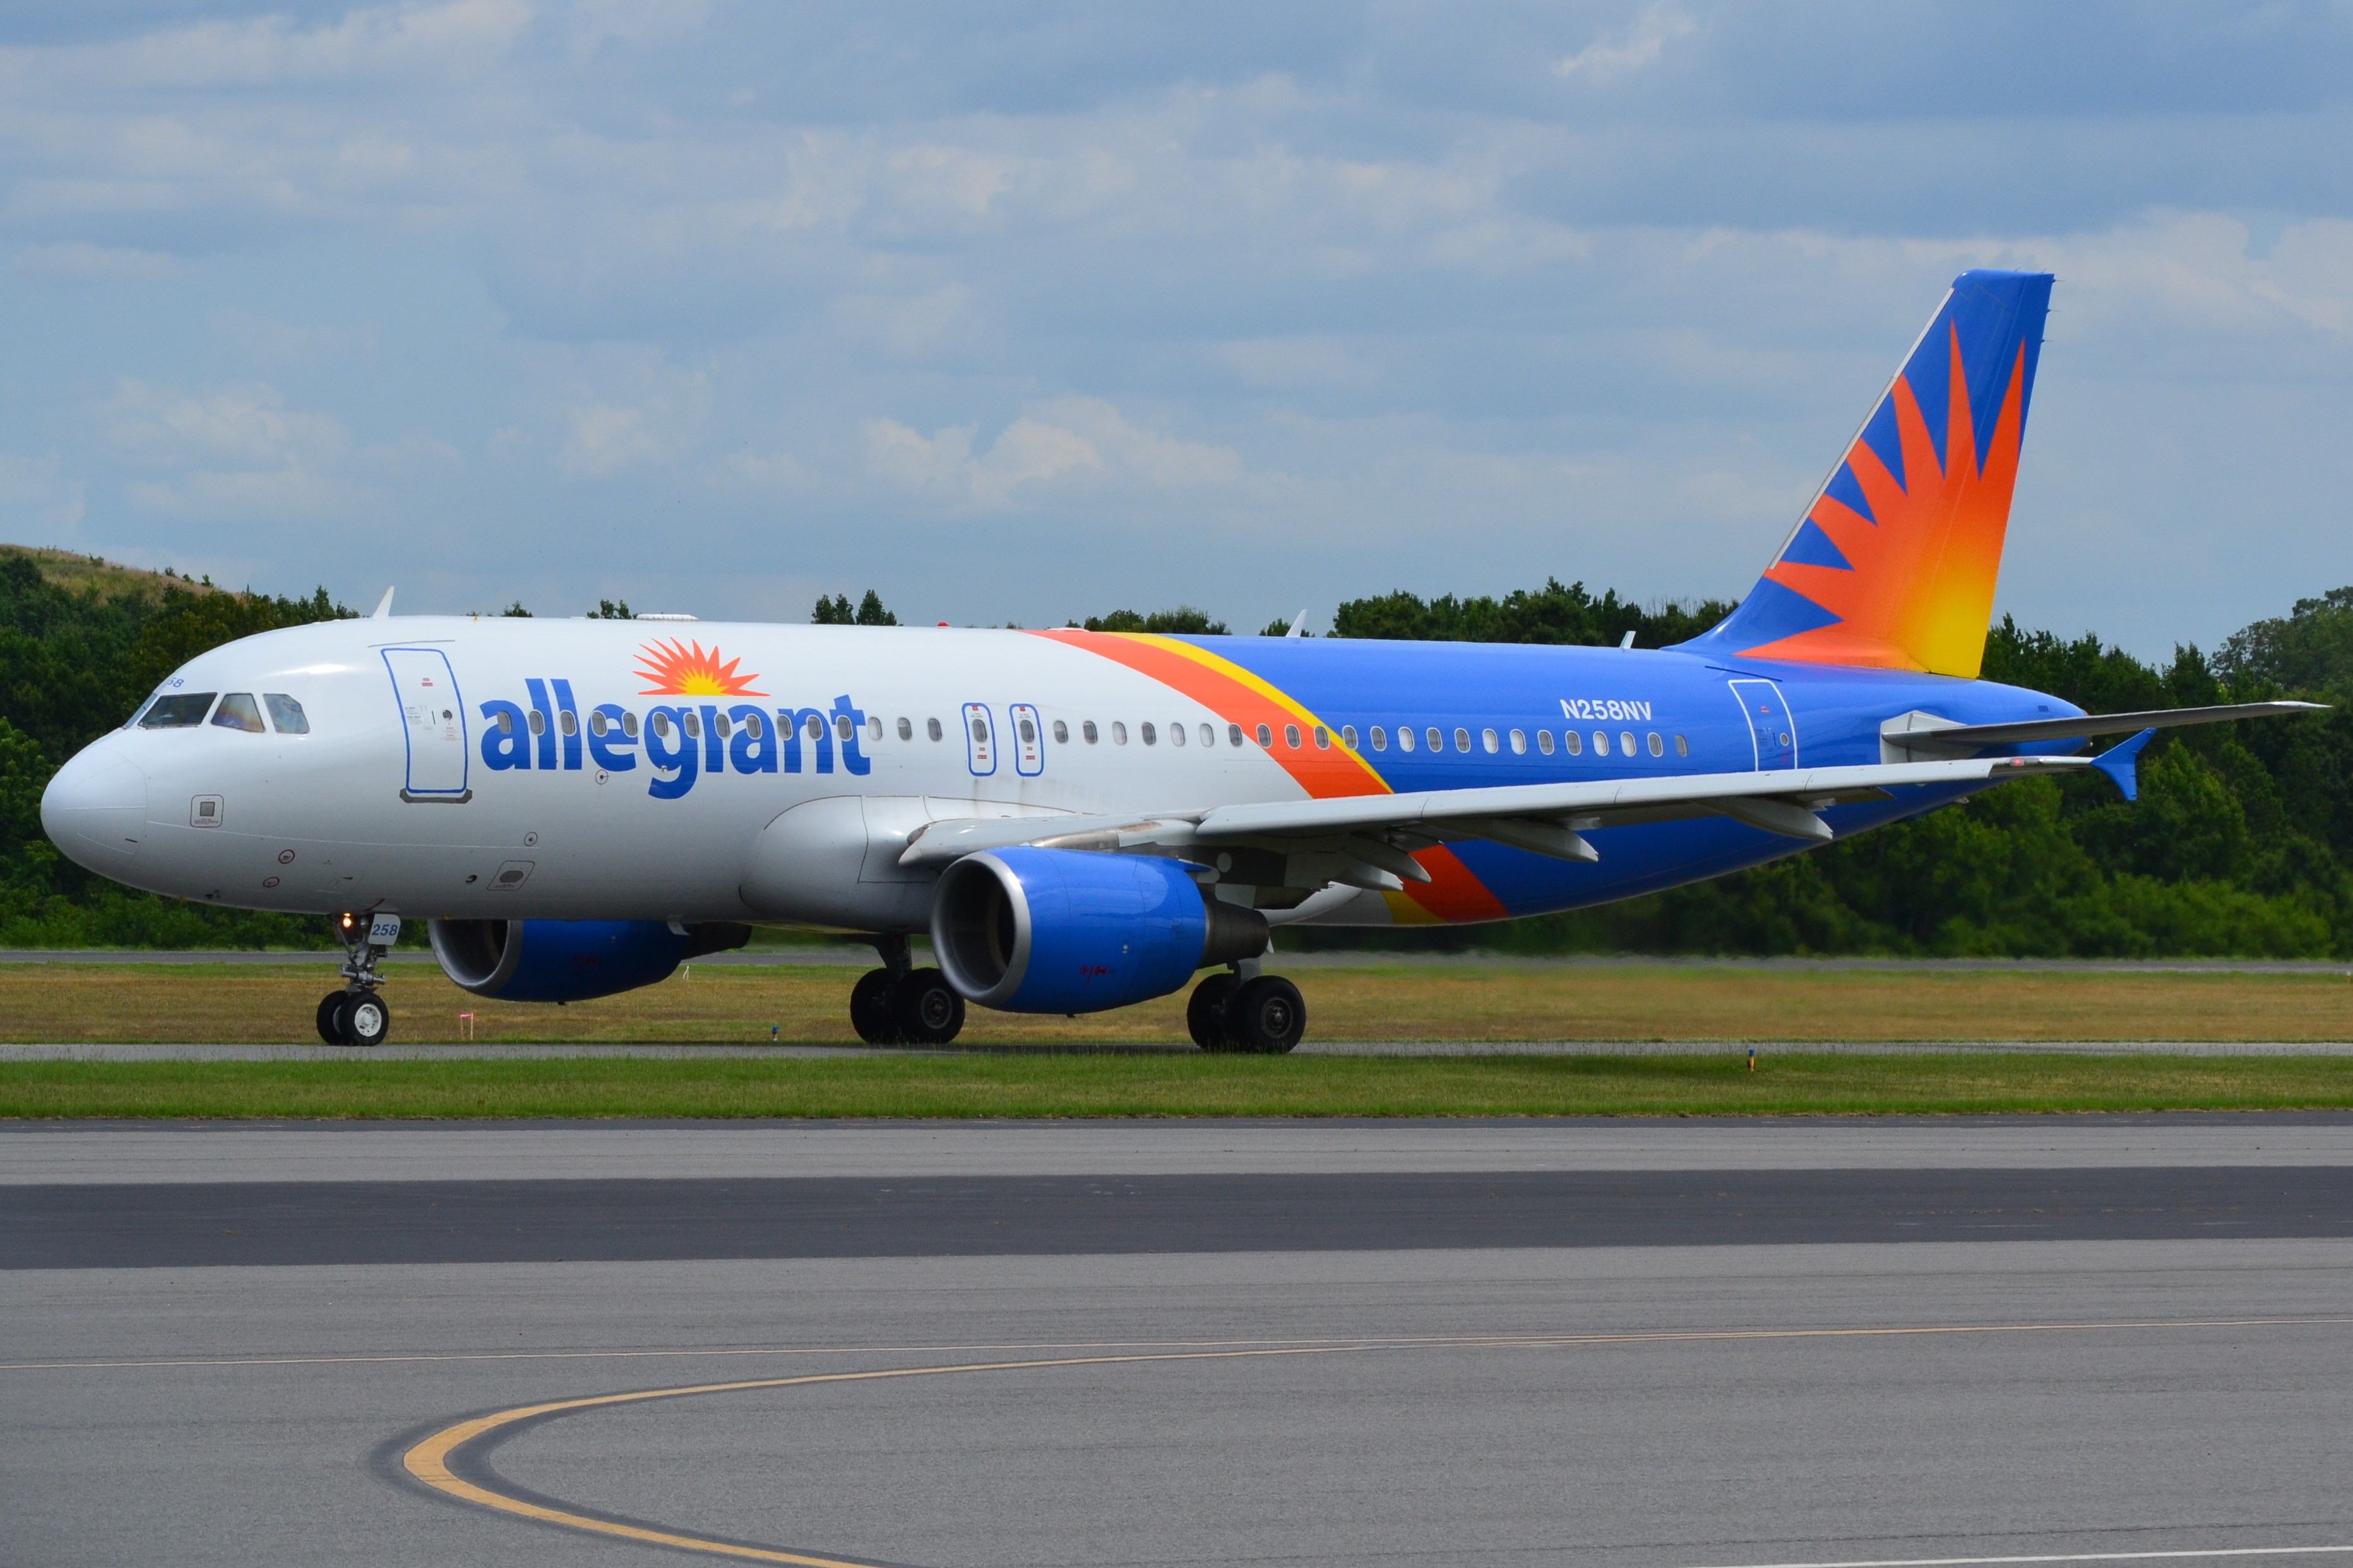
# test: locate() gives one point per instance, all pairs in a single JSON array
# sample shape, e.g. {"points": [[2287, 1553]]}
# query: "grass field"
{"points": [[1112, 1085], [1468, 1002]]}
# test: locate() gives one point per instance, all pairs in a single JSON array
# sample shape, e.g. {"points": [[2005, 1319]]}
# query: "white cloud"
{"points": [[76, 260], [1632, 49], [241, 451], [248, 424], [38, 504], [1065, 440], [604, 439], [272, 50]]}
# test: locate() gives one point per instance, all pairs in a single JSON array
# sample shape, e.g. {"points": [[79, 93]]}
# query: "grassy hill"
{"points": [[79, 574]]}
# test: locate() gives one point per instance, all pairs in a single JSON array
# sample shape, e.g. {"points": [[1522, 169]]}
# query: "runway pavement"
{"points": [[1189, 1357]]}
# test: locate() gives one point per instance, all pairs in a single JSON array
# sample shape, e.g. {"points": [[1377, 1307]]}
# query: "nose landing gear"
{"points": [[356, 1015]]}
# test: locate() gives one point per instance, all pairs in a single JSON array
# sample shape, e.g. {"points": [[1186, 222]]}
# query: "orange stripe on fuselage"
{"points": [[1240, 696], [1237, 696], [1452, 895]]}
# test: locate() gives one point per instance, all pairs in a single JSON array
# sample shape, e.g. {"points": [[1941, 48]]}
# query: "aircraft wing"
{"points": [[1367, 839]]}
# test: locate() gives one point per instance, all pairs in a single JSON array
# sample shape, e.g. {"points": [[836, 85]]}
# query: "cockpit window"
{"points": [[180, 710], [238, 711], [286, 714]]}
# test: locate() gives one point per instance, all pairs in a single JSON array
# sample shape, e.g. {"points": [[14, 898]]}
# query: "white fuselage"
{"points": [[327, 820]]}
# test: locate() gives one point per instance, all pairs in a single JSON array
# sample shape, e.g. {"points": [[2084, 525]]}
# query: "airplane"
{"points": [[1082, 821]]}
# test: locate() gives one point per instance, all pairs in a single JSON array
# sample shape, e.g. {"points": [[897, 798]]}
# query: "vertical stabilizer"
{"points": [[1894, 565]]}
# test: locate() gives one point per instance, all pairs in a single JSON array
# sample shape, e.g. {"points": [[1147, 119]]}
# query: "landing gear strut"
{"points": [[899, 1004], [1258, 1015], [356, 1015]]}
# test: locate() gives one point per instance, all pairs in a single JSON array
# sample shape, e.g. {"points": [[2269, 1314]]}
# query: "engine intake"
{"points": [[570, 961], [1067, 930]]}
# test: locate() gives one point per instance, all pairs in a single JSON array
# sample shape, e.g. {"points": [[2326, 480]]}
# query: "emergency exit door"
{"points": [[433, 719]]}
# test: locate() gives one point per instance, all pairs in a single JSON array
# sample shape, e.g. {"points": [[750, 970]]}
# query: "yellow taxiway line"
{"points": [[429, 1461]]}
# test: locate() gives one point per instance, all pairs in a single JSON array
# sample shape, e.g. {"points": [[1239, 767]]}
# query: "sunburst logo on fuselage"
{"points": [[674, 669]]}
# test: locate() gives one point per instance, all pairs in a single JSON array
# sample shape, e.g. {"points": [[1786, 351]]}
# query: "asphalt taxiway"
{"points": [[1663, 1345]]}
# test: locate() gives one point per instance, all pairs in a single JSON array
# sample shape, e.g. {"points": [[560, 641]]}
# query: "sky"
{"points": [[1026, 313]]}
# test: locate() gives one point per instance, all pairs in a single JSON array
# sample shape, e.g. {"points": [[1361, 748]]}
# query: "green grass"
{"points": [[1155, 1085]]}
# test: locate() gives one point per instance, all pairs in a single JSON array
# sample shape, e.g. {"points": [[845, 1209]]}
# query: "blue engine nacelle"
{"points": [[570, 961], [1070, 931]]}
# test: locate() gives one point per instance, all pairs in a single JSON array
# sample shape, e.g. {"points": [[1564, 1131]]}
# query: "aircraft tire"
{"points": [[1266, 1015], [928, 1009], [366, 1020], [870, 1010], [331, 1017], [1205, 1014]]}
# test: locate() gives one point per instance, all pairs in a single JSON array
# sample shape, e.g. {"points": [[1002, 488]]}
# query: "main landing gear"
{"points": [[899, 1004], [1243, 1011], [356, 1015]]}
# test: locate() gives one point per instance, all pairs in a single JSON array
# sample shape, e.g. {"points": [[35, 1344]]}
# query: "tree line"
{"points": [[2242, 843]]}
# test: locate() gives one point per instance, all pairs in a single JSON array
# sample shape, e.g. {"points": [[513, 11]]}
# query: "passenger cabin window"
{"points": [[1544, 742], [1626, 741], [238, 711], [1149, 737], [1029, 733], [1436, 741], [1519, 743], [692, 724], [1682, 747], [1209, 734], [1574, 741], [569, 722], [1233, 735], [756, 726], [1657, 747], [1462, 740], [1290, 736], [1266, 737], [1061, 733], [1087, 731], [874, 729], [628, 724], [906, 730], [1176, 734], [1118, 733], [1322, 739], [1600, 743], [539, 723], [1487, 741], [931, 728], [661, 723], [286, 714], [1380, 739], [1405, 738], [181, 711], [1348, 736]]}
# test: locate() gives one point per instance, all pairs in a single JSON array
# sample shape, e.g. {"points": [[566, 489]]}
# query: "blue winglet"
{"points": [[2120, 763]]}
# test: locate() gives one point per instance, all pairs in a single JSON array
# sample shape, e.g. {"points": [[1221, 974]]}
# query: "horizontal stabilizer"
{"points": [[1922, 734]]}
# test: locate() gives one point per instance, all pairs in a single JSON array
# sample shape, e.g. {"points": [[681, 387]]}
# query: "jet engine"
{"points": [[1070, 931], [570, 961]]}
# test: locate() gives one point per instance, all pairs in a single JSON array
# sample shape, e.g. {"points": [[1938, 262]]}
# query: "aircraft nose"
{"points": [[95, 810]]}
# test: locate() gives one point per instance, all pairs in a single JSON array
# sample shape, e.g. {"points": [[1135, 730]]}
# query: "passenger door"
{"points": [[1770, 726], [433, 720]]}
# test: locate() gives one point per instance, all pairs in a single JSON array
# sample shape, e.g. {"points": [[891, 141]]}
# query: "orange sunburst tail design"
{"points": [[1895, 564]]}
